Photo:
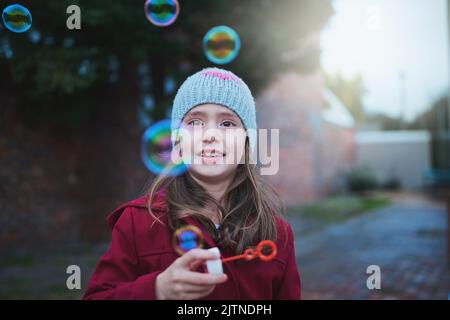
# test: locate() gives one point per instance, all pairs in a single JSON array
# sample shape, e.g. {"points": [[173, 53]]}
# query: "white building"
{"points": [[402, 155]]}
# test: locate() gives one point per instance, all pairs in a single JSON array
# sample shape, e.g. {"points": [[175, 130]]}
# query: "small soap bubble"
{"points": [[221, 45], [17, 18], [187, 238], [162, 13]]}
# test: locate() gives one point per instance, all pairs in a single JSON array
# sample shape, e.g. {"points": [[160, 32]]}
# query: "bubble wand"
{"points": [[190, 237], [250, 254]]}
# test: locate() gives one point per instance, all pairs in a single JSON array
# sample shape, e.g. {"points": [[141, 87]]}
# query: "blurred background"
{"points": [[358, 89]]}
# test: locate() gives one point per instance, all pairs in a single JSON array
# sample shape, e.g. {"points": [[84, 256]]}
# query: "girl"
{"points": [[225, 199]]}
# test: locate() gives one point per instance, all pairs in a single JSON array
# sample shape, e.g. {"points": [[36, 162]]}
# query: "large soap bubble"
{"points": [[221, 45], [17, 18]]}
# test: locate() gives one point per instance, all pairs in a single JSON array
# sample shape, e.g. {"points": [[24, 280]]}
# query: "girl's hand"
{"points": [[179, 282]]}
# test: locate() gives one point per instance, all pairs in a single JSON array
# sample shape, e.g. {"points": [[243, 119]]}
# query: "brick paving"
{"points": [[406, 240]]}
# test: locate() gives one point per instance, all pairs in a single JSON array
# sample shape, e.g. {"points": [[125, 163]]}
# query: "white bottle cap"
{"points": [[215, 266]]}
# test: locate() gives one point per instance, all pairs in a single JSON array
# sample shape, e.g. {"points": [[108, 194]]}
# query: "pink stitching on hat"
{"points": [[221, 75]]}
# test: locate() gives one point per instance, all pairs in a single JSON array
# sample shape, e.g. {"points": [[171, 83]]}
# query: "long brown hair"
{"points": [[246, 216]]}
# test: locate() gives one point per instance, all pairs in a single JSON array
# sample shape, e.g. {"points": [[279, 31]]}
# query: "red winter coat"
{"points": [[139, 252]]}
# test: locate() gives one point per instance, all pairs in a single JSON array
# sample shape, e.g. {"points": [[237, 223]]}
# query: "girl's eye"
{"points": [[228, 124], [195, 122]]}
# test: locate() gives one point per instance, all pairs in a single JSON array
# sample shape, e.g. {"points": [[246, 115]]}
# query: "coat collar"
{"points": [[159, 206]]}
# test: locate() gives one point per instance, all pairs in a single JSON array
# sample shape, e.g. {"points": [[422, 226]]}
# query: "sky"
{"points": [[400, 47]]}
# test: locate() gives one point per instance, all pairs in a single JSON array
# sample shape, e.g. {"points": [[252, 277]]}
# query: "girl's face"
{"points": [[212, 141]]}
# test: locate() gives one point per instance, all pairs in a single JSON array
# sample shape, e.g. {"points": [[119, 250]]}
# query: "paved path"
{"points": [[407, 240]]}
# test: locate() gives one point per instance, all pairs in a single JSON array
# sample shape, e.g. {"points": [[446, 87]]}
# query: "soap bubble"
{"points": [[162, 13], [187, 238], [17, 18], [156, 150], [221, 45]]}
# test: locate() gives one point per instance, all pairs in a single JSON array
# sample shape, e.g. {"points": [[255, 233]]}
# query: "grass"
{"points": [[338, 209]]}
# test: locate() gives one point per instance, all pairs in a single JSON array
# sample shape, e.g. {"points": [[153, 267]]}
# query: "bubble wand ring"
{"points": [[250, 254]]}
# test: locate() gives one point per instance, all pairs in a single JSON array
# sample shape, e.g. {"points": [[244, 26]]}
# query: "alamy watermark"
{"points": [[266, 151], [74, 280], [374, 280]]}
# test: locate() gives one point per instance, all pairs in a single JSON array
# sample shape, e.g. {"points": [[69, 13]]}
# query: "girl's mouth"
{"points": [[211, 156]]}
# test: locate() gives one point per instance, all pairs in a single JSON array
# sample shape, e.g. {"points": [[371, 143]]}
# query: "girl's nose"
{"points": [[211, 135], [208, 138]]}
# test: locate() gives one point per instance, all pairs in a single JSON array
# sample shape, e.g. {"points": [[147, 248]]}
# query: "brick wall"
{"points": [[314, 154], [58, 187]]}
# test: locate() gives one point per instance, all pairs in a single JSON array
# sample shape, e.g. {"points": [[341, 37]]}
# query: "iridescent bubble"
{"points": [[187, 238], [156, 150], [221, 44], [17, 18], [162, 13]]}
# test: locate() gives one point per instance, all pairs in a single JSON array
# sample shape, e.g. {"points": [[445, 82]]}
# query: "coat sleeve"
{"points": [[117, 273], [290, 286]]}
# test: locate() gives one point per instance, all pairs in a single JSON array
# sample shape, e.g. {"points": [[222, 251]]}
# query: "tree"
{"points": [[350, 92], [72, 77], [436, 121]]}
